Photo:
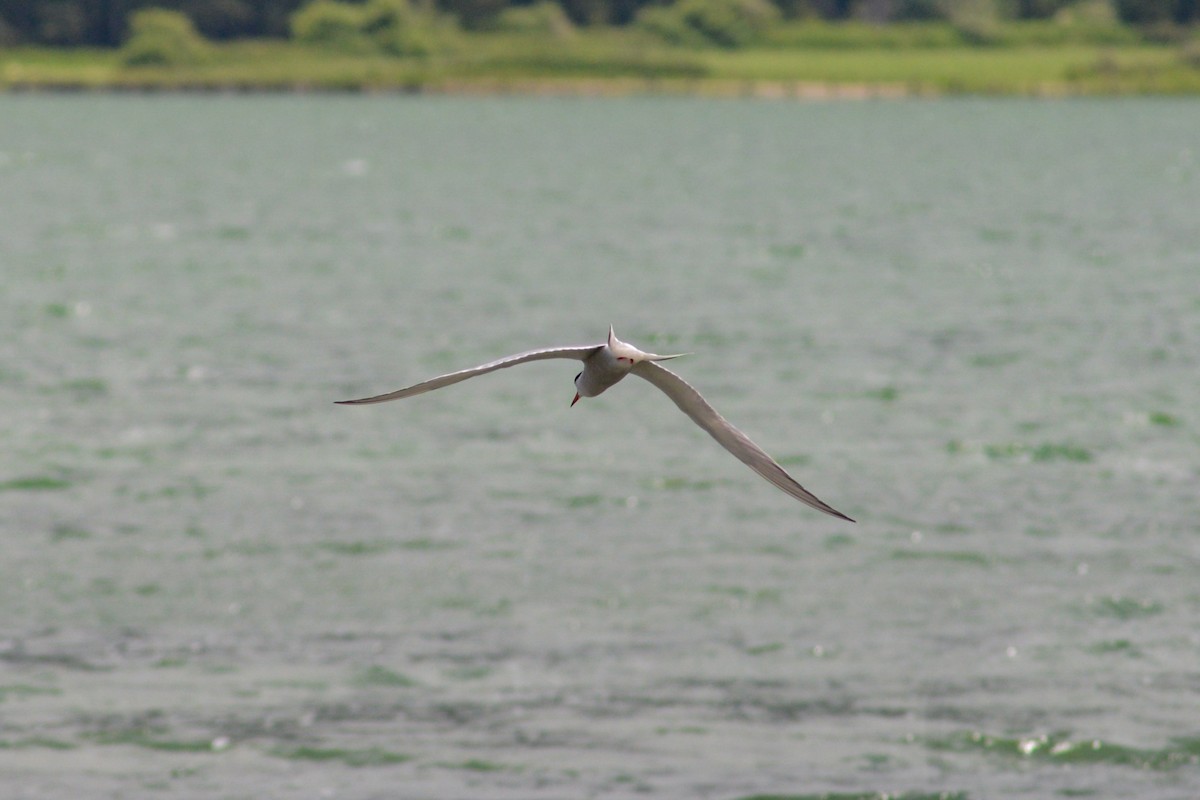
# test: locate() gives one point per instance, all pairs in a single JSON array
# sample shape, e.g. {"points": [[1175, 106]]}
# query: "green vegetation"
{"points": [[392, 27], [162, 38], [81, 23], [700, 23], [727, 47], [545, 18]]}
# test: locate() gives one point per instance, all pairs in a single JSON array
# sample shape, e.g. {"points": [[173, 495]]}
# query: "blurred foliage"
{"points": [[8, 36], [545, 17], [612, 60], [384, 26], [783, 47], [338, 26], [1143, 12], [399, 29], [474, 14], [725, 22], [159, 37]]}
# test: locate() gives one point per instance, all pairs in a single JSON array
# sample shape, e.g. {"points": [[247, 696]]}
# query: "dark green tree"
{"points": [[1149, 12], [474, 14], [1038, 9], [920, 10], [221, 19]]}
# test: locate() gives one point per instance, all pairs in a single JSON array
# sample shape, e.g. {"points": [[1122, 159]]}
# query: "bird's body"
{"points": [[609, 363], [606, 364], [604, 367]]}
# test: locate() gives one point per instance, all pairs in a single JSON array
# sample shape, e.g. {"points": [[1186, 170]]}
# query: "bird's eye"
{"points": [[577, 376]]}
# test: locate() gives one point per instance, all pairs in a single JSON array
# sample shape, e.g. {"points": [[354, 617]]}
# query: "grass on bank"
{"points": [[1067, 69], [914, 59]]}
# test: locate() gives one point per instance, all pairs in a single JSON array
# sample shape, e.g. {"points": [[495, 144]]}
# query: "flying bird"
{"points": [[607, 363]]}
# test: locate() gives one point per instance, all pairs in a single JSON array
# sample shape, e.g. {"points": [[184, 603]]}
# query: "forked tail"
{"points": [[614, 342]]}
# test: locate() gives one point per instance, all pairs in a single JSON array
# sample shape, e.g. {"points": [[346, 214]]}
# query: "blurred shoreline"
{"points": [[548, 87], [798, 90], [615, 62]]}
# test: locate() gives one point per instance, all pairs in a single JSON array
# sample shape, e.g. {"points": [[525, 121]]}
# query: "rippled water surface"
{"points": [[972, 325]]}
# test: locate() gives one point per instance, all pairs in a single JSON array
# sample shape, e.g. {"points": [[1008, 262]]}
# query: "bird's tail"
{"points": [[614, 342]]}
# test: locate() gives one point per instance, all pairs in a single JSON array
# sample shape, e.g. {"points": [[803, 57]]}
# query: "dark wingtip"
{"points": [[833, 512]]}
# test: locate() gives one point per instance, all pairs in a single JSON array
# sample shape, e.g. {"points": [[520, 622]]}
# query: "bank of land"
{"points": [[795, 61]]}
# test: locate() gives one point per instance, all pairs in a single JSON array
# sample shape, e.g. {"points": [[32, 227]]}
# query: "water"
{"points": [[972, 325]]}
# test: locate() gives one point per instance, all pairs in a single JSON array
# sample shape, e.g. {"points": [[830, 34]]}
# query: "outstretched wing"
{"points": [[578, 353], [691, 403]]}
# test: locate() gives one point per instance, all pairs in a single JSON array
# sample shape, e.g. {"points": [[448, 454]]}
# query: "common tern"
{"points": [[607, 363]]}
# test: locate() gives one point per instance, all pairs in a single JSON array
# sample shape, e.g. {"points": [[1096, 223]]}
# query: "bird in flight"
{"points": [[607, 363]]}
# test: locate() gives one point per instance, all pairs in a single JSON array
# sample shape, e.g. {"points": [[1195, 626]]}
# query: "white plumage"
{"points": [[607, 363]]}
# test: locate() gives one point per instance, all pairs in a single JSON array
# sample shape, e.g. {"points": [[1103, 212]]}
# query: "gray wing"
{"points": [[691, 403], [578, 353]]}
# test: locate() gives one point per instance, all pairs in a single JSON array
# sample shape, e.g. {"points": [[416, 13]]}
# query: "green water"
{"points": [[974, 326]]}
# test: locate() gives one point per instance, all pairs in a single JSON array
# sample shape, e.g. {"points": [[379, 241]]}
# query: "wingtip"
{"points": [[833, 512]]}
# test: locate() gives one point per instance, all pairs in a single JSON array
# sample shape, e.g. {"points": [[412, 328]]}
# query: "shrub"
{"points": [[669, 25], [725, 23], [62, 24], [380, 16], [327, 23], [922, 10], [389, 26], [1143, 12], [1039, 9], [219, 19], [162, 37], [730, 23], [475, 15], [546, 17], [1093, 12], [398, 29]]}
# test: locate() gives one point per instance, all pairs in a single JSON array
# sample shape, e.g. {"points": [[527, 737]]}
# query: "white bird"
{"points": [[606, 364]]}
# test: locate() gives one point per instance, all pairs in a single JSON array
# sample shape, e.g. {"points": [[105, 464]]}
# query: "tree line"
{"points": [[105, 23]]}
